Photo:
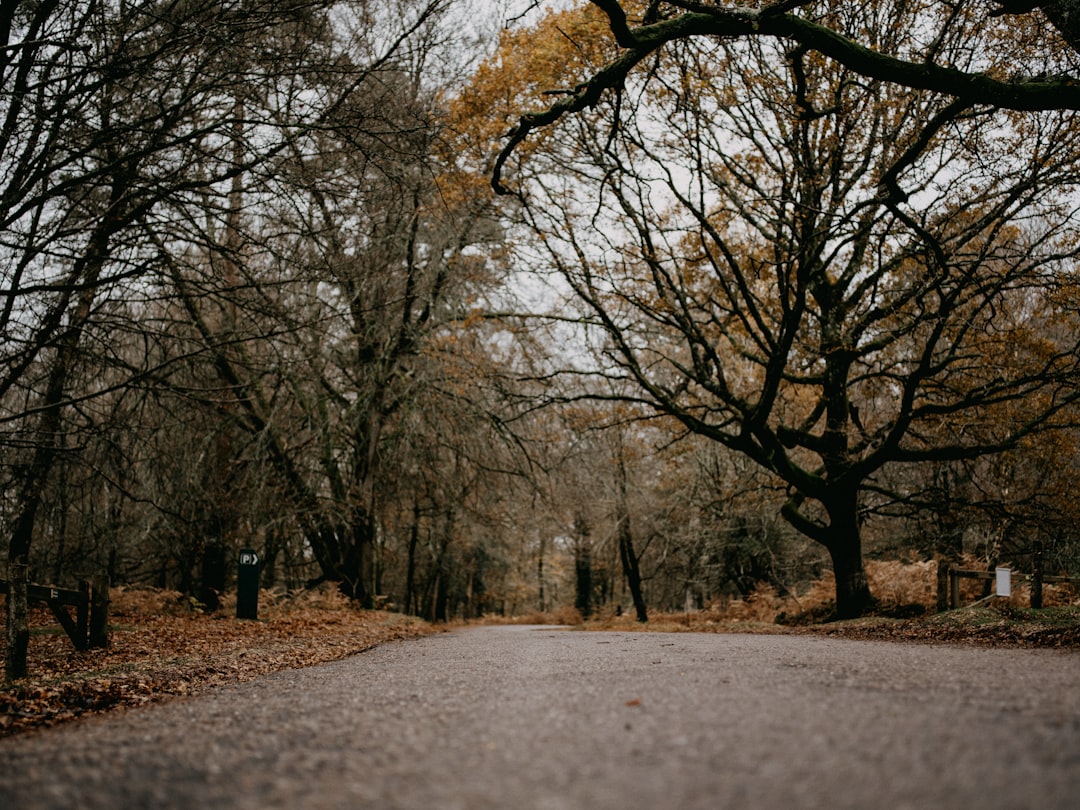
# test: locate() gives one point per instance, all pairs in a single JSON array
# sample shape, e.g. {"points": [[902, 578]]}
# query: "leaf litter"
{"points": [[161, 645]]}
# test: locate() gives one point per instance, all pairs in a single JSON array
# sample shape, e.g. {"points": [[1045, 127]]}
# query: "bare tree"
{"points": [[824, 273], [104, 109], [126, 130], [348, 295]]}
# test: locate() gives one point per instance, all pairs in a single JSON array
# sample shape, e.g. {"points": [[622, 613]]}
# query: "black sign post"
{"points": [[247, 585]]}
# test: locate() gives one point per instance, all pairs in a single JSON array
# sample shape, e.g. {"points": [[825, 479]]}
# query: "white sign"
{"points": [[249, 558], [1004, 581]]}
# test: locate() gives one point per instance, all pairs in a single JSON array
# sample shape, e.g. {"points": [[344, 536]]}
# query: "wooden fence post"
{"points": [[82, 613], [944, 566], [99, 613], [18, 628], [1037, 575]]}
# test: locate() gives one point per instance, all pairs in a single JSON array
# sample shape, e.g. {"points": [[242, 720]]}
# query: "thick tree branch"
{"points": [[700, 20]]}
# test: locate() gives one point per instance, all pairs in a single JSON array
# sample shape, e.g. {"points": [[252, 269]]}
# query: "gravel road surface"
{"points": [[513, 717]]}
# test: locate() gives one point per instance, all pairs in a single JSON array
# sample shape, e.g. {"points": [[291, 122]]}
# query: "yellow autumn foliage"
{"points": [[529, 68]]}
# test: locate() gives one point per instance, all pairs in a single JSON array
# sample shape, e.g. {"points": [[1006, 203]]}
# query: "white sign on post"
{"points": [[1004, 581]]}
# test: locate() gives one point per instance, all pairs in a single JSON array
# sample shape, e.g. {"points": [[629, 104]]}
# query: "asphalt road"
{"points": [[544, 718]]}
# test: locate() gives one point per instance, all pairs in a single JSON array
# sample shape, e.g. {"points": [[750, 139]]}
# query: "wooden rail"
{"points": [[90, 627]]}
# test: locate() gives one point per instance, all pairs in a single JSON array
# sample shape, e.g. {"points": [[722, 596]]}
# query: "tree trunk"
{"points": [[1037, 574], [477, 586], [272, 547], [440, 612], [410, 566], [540, 572], [583, 600], [853, 597], [354, 572], [631, 569], [212, 576], [583, 579], [943, 567], [949, 548], [627, 555]]}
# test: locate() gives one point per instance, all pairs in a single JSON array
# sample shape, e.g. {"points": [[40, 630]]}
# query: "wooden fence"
{"points": [[956, 574], [90, 627]]}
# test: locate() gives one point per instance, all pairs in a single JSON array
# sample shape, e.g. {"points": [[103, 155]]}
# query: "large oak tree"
{"points": [[825, 272]]}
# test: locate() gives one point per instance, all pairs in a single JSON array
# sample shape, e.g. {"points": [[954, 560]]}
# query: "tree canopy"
{"points": [[1037, 73]]}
